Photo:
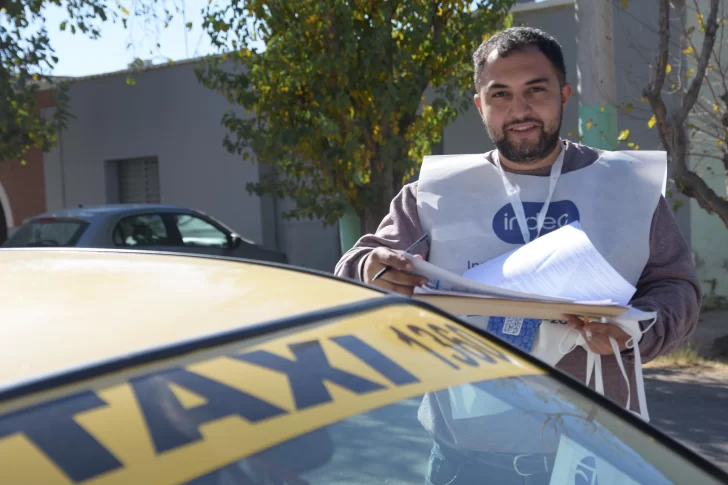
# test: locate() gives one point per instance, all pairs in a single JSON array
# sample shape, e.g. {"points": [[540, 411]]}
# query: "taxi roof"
{"points": [[68, 308]]}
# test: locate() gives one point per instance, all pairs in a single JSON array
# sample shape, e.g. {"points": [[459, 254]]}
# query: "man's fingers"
{"points": [[401, 278], [573, 321], [392, 259], [401, 289]]}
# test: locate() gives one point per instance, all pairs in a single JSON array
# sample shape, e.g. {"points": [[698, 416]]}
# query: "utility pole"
{"points": [[595, 73]]}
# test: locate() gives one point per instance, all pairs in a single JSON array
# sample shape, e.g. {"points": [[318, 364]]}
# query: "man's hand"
{"points": [[597, 335], [398, 278]]}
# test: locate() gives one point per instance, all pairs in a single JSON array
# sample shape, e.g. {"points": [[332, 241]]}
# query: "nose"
{"points": [[520, 107]]}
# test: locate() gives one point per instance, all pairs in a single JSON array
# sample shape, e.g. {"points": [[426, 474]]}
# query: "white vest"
{"points": [[463, 206]]}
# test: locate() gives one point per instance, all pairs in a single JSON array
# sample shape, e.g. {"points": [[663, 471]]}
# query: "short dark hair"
{"points": [[517, 39]]}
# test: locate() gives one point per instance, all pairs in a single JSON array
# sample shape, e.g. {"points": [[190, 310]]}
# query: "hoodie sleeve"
{"points": [[398, 230], [669, 286]]}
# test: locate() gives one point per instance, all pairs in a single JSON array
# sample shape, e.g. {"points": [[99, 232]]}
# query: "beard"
{"points": [[526, 151]]}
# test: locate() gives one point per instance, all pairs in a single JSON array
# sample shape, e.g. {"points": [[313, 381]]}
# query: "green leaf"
{"points": [[63, 26], [130, 81]]}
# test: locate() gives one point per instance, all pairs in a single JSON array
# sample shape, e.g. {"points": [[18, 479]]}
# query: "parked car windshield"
{"points": [[53, 233]]}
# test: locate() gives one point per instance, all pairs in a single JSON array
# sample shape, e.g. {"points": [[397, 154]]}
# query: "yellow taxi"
{"points": [[122, 367]]}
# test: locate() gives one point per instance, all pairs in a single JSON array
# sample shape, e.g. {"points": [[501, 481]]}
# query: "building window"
{"points": [[139, 181]]}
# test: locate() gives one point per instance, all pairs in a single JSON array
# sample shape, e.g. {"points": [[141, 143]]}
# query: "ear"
{"points": [[565, 94], [478, 104]]}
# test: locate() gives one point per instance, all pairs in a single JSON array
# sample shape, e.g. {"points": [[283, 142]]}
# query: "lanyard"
{"points": [[515, 199]]}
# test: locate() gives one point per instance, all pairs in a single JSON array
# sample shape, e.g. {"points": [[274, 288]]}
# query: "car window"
{"points": [[397, 395], [198, 232], [56, 232], [141, 230]]}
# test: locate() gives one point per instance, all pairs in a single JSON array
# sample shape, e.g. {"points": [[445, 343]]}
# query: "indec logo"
{"points": [[505, 224]]}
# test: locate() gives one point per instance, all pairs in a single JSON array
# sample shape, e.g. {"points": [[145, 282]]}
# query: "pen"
{"points": [[386, 268]]}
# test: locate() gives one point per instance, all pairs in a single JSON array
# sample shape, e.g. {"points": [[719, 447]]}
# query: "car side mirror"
{"points": [[236, 241]]}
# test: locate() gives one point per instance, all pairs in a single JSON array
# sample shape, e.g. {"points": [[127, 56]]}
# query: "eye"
{"points": [[537, 89], [498, 94]]}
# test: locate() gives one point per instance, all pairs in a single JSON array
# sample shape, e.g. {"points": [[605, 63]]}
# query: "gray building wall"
{"points": [[169, 115]]}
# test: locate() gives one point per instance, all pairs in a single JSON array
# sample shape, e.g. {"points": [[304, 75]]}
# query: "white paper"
{"points": [[563, 264], [446, 281]]}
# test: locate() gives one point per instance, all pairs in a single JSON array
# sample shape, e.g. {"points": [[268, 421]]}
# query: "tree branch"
{"points": [[711, 29], [653, 92]]}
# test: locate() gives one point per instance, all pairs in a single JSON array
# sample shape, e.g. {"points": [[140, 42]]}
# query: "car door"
{"points": [[198, 235], [147, 231]]}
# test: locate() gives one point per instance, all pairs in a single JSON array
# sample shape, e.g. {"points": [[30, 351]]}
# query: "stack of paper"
{"points": [[562, 266]]}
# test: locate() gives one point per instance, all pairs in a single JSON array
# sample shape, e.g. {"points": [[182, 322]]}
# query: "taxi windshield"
{"points": [[428, 439], [391, 394]]}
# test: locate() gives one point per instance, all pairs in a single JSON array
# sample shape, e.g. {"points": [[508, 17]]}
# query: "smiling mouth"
{"points": [[522, 127]]}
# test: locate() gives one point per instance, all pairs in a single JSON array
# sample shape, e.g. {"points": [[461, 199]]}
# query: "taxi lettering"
{"points": [[52, 428], [310, 368], [375, 375]]}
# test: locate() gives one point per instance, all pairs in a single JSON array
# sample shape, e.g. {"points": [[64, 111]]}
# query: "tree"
{"points": [[27, 58], [337, 98], [698, 127]]}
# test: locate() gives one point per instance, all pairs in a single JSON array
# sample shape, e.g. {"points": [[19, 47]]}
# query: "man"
{"points": [[521, 86]]}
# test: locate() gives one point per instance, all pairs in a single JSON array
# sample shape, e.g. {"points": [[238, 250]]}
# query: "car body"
{"points": [[139, 226], [123, 367]]}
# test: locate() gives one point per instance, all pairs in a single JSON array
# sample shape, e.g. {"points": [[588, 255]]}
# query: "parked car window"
{"points": [[56, 232], [143, 230], [198, 232]]}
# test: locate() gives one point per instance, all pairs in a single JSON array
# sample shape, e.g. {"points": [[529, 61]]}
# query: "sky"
{"points": [[80, 56]]}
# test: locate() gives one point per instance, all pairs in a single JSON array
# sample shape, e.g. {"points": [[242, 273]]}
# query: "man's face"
{"points": [[521, 102]]}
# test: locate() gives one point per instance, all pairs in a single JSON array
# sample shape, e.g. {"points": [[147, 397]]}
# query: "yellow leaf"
{"points": [[601, 109], [636, 147], [690, 72], [571, 133], [124, 11], [623, 135], [643, 99], [710, 67], [625, 3], [699, 15], [589, 125], [716, 108], [668, 69], [629, 107], [719, 143], [688, 50], [652, 122]]}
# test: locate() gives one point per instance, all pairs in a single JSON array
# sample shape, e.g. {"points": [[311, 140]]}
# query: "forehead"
{"points": [[518, 67]]}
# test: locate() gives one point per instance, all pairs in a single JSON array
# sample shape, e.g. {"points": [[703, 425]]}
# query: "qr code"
{"points": [[512, 326]]}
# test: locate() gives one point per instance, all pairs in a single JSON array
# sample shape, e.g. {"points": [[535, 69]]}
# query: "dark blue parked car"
{"points": [[142, 226]]}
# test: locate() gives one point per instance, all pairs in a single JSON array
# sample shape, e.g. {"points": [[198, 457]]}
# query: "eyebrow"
{"points": [[538, 80]]}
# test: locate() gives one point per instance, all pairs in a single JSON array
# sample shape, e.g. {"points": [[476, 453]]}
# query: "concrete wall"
{"points": [[167, 114]]}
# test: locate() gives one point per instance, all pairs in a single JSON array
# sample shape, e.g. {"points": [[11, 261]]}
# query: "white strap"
{"points": [[618, 355], [513, 193]]}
